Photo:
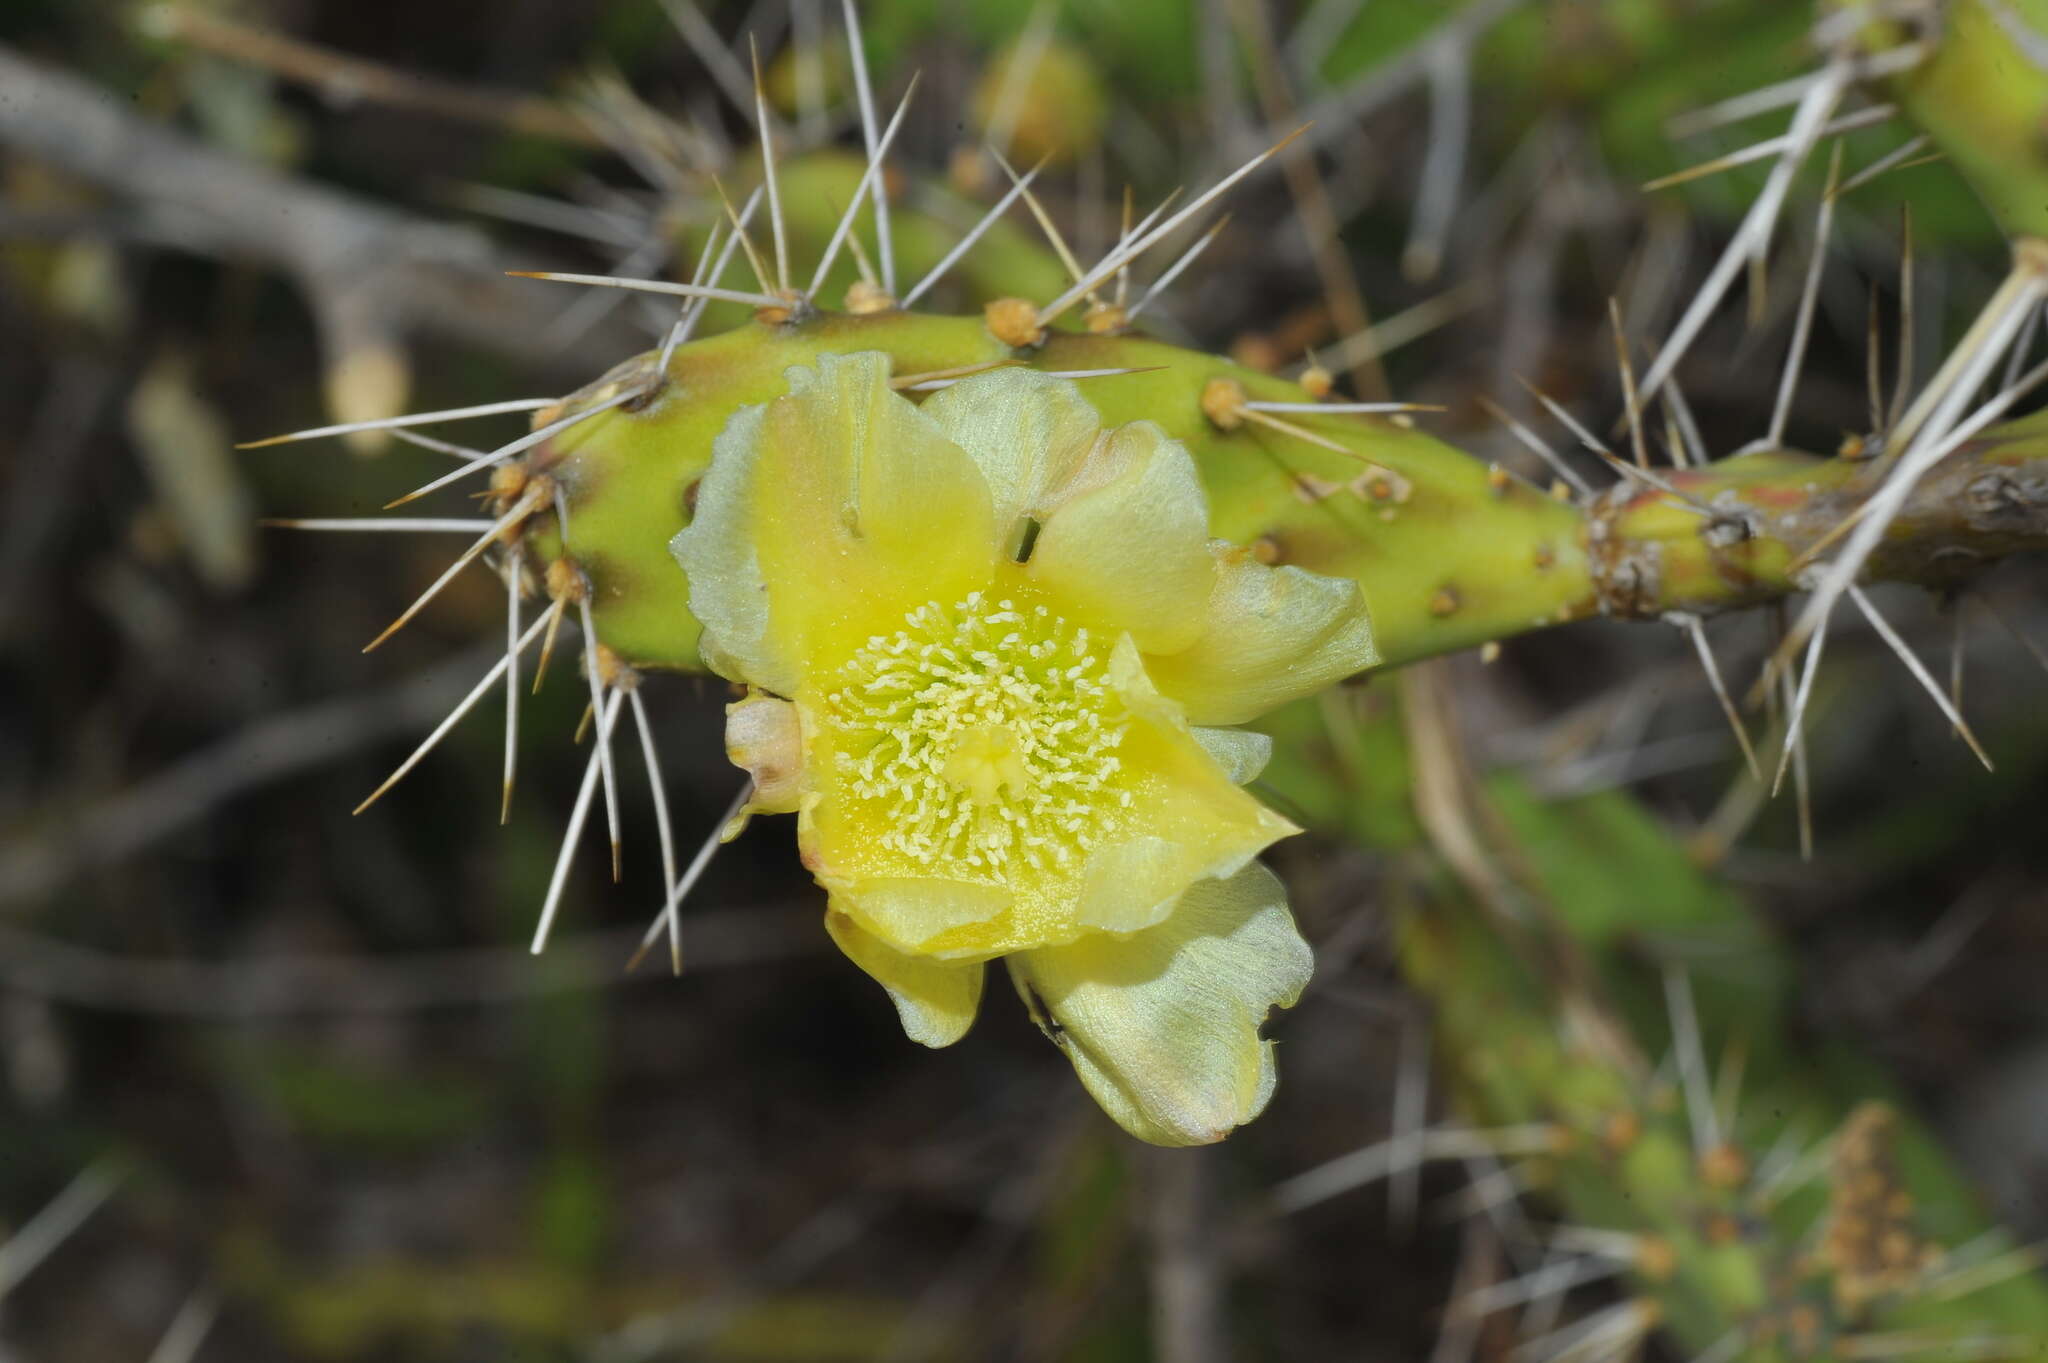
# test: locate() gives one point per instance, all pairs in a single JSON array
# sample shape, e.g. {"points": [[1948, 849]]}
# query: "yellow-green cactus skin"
{"points": [[1450, 553], [1980, 92]]}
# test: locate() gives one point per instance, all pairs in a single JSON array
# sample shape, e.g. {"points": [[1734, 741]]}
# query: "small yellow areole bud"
{"points": [[864, 299], [1014, 322], [1223, 402]]}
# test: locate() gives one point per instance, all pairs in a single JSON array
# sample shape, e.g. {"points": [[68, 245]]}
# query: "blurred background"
{"points": [[281, 1082]]}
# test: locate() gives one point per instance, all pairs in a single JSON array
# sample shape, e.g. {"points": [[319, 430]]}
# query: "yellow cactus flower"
{"points": [[981, 636]]}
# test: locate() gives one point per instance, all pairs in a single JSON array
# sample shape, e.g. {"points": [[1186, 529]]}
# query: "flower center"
{"points": [[984, 733]]}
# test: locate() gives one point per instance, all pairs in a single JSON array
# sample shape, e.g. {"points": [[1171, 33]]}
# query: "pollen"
{"points": [[984, 737]]}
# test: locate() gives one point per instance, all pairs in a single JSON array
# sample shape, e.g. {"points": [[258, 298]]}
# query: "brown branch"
{"points": [[372, 272], [342, 78], [1648, 556]]}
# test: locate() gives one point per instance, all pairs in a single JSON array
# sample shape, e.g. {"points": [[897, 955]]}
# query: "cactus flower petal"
{"points": [[1154, 586], [1242, 753], [1029, 433], [920, 914], [820, 514], [936, 1000], [979, 636], [1274, 635], [1163, 1025], [1021, 842], [1038, 446]]}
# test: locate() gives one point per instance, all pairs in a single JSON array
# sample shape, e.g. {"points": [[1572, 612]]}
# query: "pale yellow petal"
{"points": [[1273, 635], [716, 551], [1241, 753], [1131, 553], [1028, 432], [825, 516], [1193, 822], [935, 1000], [909, 914], [1163, 1025], [1133, 883], [1189, 820]]}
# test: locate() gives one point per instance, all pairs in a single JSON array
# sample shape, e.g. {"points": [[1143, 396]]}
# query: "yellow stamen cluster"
{"points": [[988, 734]]}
